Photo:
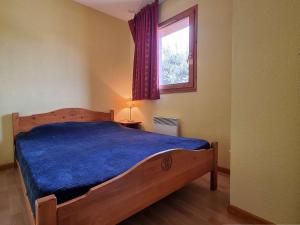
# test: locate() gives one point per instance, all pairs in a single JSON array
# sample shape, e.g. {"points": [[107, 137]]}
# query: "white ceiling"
{"points": [[122, 9]]}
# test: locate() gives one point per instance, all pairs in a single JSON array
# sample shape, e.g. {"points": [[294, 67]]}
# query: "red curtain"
{"points": [[144, 28]]}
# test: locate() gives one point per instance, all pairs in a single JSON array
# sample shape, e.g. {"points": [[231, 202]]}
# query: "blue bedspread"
{"points": [[67, 159]]}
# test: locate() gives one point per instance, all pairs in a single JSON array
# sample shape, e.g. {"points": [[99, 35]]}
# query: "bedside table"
{"points": [[130, 124]]}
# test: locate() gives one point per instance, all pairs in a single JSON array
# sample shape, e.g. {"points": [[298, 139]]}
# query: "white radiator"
{"points": [[169, 126]]}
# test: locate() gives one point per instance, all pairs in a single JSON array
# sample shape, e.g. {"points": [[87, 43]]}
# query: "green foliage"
{"points": [[175, 68]]}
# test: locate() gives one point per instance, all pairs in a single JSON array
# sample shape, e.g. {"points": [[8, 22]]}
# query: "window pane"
{"points": [[174, 52]]}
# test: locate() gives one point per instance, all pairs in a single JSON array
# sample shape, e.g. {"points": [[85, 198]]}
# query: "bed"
{"points": [[79, 167]]}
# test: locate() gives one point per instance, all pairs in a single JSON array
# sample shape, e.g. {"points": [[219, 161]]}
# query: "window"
{"points": [[178, 52]]}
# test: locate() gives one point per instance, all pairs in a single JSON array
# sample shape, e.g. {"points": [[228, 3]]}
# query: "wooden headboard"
{"points": [[26, 123]]}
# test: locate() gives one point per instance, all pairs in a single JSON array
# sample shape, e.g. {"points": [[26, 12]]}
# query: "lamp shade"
{"points": [[130, 103]]}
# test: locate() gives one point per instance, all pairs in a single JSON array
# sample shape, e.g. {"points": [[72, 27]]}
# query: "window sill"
{"points": [[177, 90]]}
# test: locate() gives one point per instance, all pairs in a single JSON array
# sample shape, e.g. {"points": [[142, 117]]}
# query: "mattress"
{"points": [[67, 159]]}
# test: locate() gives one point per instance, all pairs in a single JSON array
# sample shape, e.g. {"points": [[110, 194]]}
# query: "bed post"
{"points": [[214, 171], [15, 124], [112, 115], [45, 209]]}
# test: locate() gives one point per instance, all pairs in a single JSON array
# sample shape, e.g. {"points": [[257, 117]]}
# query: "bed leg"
{"points": [[15, 161], [214, 171], [15, 123], [46, 211]]}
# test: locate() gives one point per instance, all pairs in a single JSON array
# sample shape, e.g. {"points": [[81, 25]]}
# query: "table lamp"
{"points": [[130, 105]]}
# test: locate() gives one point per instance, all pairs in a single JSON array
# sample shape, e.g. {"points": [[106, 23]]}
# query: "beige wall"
{"points": [[57, 53], [205, 113], [265, 123]]}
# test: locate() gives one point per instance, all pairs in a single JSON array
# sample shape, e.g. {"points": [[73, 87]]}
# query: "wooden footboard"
{"points": [[117, 199]]}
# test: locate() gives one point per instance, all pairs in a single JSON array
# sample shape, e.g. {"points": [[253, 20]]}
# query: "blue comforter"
{"points": [[67, 159]]}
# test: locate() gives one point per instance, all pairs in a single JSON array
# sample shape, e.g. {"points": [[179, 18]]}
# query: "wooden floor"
{"points": [[192, 205]]}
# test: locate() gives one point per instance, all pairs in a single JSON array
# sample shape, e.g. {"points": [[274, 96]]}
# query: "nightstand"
{"points": [[131, 124]]}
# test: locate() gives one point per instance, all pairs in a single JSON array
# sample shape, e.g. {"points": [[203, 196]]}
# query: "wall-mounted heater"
{"points": [[169, 126]]}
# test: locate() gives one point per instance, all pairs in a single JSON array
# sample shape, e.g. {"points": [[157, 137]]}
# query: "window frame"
{"points": [[190, 86]]}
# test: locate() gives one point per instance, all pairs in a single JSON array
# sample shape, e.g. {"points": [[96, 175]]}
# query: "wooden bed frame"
{"points": [[117, 199]]}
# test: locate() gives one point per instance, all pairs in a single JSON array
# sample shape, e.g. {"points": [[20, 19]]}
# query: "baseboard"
{"points": [[6, 166], [224, 170], [246, 215]]}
